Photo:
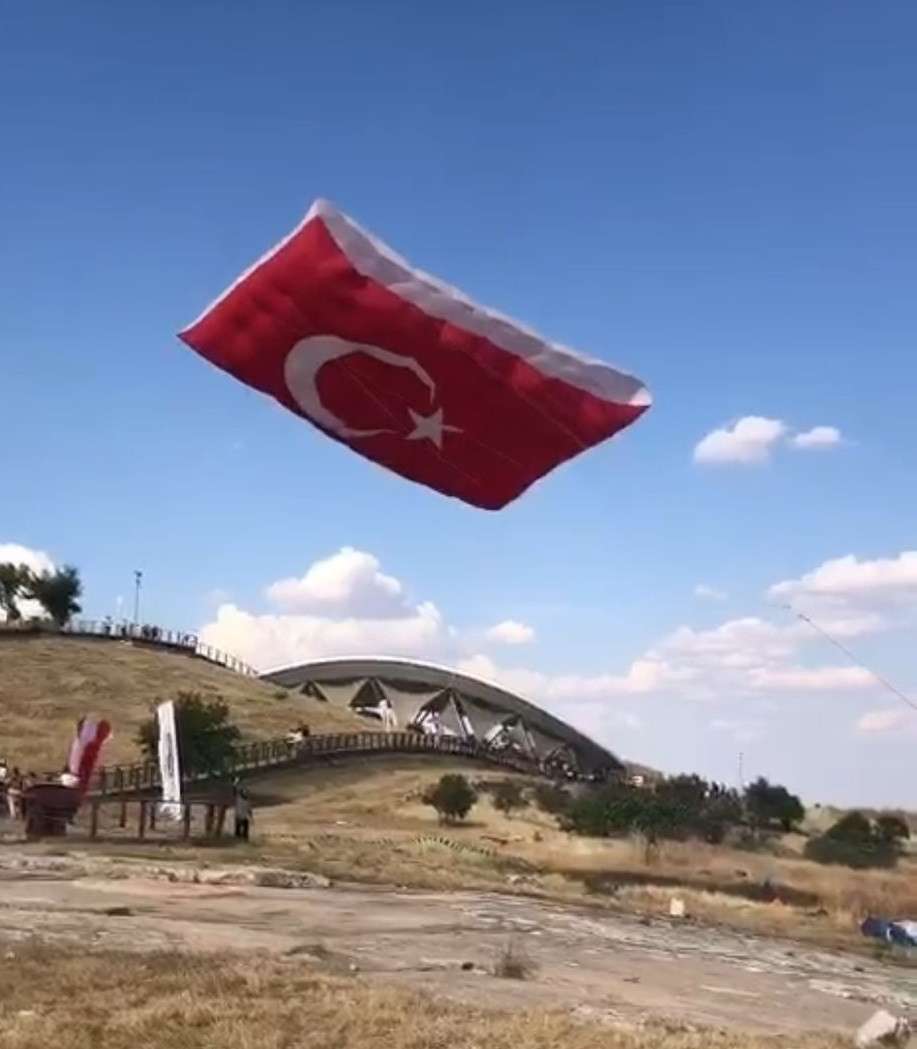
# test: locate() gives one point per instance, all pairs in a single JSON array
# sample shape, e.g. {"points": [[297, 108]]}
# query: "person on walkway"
{"points": [[14, 794], [243, 814]]}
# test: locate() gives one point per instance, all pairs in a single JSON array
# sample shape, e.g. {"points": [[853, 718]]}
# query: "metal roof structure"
{"points": [[411, 694]]}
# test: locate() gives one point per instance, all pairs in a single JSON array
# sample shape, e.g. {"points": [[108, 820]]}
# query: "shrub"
{"points": [[681, 807], [453, 797], [206, 737], [514, 963], [508, 797], [552, 799], [768, 804], [893, 829], [854, 841]]}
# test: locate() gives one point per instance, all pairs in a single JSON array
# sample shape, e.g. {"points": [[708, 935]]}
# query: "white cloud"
{"points": [[750, 440], [346, 583], [511, 632], [642, 677], [811, 679], [848, 578], [344, 605], [886, 720], [734, 645], [267, 641], [709, 593], [818, 438], [37, 561]]}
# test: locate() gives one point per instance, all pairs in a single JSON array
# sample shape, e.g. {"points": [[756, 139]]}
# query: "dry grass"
{"points": [[356, 800], [47, 683], [513, 962], [99, 1001], [360, 821]]}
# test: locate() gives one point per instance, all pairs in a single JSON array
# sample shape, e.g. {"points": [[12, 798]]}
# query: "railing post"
{"points": [[94, 819], [186, 821], [123, 820], [141, 828]]}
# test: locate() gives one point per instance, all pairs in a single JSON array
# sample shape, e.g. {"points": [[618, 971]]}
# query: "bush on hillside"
{"points": [[453, 797], [206, 737], [893, 829], [551, 798], [769, 805], [680, 807], [855, 841], [508, 796]]}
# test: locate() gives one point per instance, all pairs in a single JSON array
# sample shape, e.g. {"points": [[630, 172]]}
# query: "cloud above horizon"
{"points": [[511, 632], [753, 439], [345, 605]]}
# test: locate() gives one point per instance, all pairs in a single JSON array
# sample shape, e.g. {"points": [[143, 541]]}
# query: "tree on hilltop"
{"points": [[206, 737], [56, 592], [13, 579]]}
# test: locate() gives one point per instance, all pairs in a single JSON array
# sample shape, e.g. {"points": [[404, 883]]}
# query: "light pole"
{"points": [[138, 578]]}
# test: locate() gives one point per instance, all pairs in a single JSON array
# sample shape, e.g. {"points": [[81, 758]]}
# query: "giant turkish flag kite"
{"points": [[406, 370]]}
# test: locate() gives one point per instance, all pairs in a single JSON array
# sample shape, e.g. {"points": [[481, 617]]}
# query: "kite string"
{"points": [[853, 657]]}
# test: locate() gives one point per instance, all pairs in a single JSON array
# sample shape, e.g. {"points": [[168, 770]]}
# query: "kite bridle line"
{"points": [[852, 657]]}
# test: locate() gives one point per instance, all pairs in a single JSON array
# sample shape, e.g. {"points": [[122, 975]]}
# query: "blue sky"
{"points": [[717, 197]]}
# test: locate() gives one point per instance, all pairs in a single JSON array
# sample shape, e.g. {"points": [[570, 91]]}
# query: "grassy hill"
{"points": [[48, 683]]}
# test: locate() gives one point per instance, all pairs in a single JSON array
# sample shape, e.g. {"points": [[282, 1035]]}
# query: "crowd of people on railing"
{"points": [[126, 630]]}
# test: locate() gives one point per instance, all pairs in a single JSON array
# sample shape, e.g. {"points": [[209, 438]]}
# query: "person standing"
{"points": [[243, 814], [14, 794]]}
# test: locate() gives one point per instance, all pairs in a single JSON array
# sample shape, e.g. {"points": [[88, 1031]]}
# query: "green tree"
{"points": [[893, 829], [56, 592], [854, 841], [769, 804], [508, 796], [453, 797], [206, 737], [13, 579], [722, 810], [853, 828], [551, 798]]}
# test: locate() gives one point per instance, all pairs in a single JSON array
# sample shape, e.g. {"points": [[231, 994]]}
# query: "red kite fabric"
{"points": [[407, 371]]}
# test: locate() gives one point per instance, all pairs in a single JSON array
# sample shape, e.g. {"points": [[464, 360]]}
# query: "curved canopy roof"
{"points": [[419, 678]]}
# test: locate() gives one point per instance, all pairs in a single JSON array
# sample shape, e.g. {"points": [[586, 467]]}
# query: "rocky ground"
{"points": [[608, 966]]}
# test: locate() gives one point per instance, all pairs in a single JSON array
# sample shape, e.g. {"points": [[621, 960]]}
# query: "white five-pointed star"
{"points": [[430, 427]]}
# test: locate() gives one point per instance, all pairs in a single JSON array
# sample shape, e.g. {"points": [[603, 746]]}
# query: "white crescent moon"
{"points": [[307, 358]]}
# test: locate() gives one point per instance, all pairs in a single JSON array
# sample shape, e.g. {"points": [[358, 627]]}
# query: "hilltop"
{"points": [[48, 682]]}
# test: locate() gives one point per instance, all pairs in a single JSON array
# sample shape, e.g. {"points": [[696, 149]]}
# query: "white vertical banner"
{"points": [[169, 770]]}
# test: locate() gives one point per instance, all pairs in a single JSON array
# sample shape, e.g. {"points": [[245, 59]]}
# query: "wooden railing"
{"points": [[281, 753]]}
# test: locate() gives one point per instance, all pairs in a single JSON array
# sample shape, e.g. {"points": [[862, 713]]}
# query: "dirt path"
{"points": [[594, 964]]}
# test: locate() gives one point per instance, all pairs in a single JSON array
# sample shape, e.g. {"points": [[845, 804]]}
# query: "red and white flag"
{"points": [[406, 370], [84, 751]]}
